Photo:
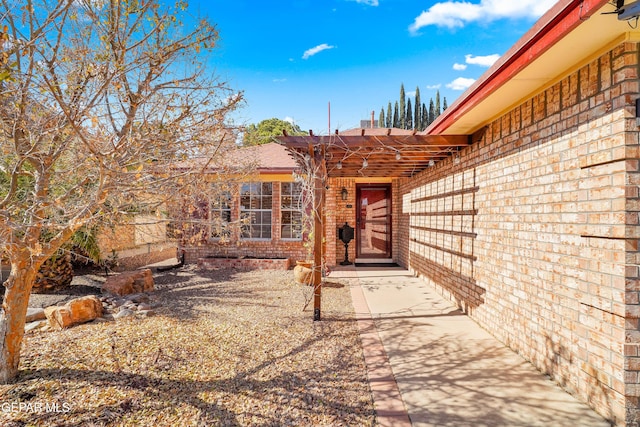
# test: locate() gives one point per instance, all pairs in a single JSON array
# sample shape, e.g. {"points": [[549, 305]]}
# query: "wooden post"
{"points": [[318, 229]]}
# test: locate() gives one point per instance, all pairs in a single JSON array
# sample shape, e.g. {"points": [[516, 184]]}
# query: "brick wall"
{"points": [[276, 247], [338, 212], [534, 231]]}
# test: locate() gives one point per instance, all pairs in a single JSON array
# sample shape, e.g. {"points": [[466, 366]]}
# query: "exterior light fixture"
{"points": [[456, 160], [398, 155], [344, 194], [432, 162], [365, 163], [339, 165]]}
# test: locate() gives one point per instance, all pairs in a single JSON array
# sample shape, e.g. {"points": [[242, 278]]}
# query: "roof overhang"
{"points": [[570, 35]]}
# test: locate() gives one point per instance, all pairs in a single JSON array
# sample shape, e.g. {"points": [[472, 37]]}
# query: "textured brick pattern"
{"points": [[274, 248], [244, 264], [337, 213], [534, 232]]}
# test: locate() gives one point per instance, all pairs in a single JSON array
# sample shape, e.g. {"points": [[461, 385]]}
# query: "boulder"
{"points": [[34, 314], [131, 282], [76, 311], [123, 313]]}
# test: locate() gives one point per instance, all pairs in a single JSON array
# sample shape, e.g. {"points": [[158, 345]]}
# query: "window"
{"points": [[255, 210], [291, 210], [220, 214]]}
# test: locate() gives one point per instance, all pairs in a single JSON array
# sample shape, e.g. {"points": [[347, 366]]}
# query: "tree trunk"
{"points": [[12, 319]]}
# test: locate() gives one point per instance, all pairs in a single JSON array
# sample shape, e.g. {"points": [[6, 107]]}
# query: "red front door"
{"points": [[373, 221]]}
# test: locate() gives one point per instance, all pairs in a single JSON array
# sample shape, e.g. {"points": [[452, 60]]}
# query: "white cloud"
{"points": [[290, 120], [434, 87], [279, 80], [455, 14], [459, 67], [367, 2], [485, 61], [314, 50], [461, 83]]}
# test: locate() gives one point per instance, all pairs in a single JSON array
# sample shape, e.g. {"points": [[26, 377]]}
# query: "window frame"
{"points": [[295, 207], [247, 211], [223, 206]]}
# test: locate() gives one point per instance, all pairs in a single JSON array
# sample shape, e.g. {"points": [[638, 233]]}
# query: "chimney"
{"points": [[372, 113]]}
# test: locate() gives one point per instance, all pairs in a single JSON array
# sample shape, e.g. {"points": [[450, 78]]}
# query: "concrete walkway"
{"points": [[431, 365]]}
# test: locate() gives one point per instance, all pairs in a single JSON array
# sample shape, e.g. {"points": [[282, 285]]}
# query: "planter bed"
{"points": [[244, 263]]}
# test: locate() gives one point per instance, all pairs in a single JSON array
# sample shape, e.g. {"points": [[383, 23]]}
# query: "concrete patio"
{"points": [[431, 365]]}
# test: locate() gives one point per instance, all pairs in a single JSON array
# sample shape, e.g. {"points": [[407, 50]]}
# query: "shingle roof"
{"points": [[269, 157]]}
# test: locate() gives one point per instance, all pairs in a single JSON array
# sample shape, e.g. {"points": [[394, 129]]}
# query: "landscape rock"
{"points": [[144, 307], [131, 282], [123, 313], [34, 314], [138, 298], [33, 325], [146, 313], [76, 311]]}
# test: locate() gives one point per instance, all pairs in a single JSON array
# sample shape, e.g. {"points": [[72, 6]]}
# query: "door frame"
{"points": [[388, 188]]}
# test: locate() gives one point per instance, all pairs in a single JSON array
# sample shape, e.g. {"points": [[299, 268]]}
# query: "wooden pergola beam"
{"points": [[354, 141]]}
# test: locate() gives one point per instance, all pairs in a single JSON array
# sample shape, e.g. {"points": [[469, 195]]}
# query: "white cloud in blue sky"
{"points": [[367, 2], [461, 83], [434, 87], [483, 61], [315, 50], [459, 67], [456, 14]]}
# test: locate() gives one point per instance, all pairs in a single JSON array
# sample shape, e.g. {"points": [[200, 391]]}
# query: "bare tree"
{"points": [[100, 99]]}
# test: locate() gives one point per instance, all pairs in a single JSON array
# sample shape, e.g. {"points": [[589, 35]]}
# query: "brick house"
{"points": [[528, 217], [255, 215]]}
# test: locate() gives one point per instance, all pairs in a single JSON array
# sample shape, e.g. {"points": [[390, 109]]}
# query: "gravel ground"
{"points": [[226, 348]]}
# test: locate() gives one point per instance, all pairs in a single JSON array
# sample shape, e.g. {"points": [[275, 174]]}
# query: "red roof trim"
{"points": [[560, 20]]}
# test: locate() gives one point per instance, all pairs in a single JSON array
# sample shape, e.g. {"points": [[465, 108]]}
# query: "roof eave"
{"points": [[559, 21]]}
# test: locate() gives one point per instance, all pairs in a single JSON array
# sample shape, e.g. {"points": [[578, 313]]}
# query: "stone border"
{"points": [[245, 263]]}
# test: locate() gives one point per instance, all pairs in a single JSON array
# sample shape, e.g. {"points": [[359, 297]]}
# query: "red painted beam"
{"points": [[559, 21]]}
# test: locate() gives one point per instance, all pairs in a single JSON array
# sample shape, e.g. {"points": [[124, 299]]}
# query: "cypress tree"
{"points": [[389, 116], [437, 110], [425, 117], [409, 116], [432, 111], [403, 108], [444, 104], [396, 118], [381, 118], [417, 122]]}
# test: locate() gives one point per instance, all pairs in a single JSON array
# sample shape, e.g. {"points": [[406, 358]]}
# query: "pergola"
{"points": [[377, 152], [373, 152]]}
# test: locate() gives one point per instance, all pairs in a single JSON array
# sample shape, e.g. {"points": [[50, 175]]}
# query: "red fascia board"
{"points": [[559, 21]]}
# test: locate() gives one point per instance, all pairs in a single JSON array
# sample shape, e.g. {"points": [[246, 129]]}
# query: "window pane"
{"points": [[290, 213], [266, 202], [256, 204]]}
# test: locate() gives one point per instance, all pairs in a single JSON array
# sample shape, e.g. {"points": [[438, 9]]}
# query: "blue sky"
{"points": [[294, 57]]}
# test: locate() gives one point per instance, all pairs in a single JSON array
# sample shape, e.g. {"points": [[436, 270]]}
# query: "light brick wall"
{"points": [[535, 231], [339, 212], [276, 247]]}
